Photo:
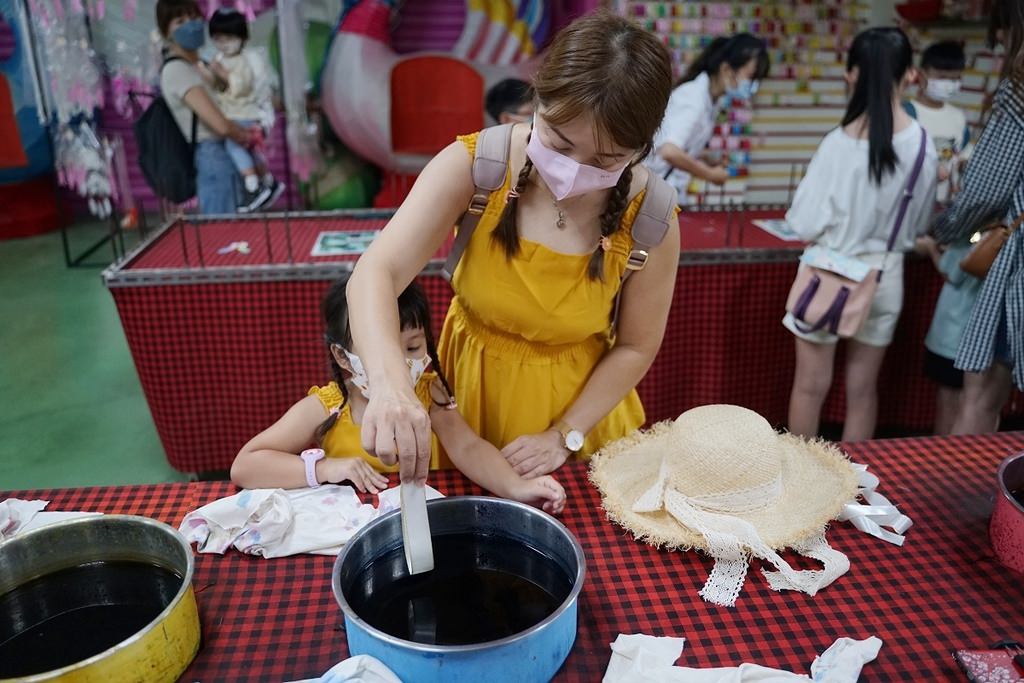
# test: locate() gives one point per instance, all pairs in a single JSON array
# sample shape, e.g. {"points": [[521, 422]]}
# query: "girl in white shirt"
{"points": [[729, 68], [847, 203]]}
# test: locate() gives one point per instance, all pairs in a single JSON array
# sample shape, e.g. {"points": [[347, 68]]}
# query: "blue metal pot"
{"points": [[529, 656]]}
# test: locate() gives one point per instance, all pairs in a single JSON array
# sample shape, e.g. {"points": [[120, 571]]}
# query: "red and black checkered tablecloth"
{"points": [[275, 620]]}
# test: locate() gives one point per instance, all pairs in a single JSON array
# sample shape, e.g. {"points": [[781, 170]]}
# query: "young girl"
{"points": [[728, 67], [847, 204], [330, 416], [244, 95]]}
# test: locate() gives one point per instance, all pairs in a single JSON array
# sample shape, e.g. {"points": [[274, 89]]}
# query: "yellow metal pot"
{"points": [[163, 649]]}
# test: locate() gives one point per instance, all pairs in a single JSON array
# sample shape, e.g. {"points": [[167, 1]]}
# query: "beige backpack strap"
{"points": [[490, 166], [656, 216]]}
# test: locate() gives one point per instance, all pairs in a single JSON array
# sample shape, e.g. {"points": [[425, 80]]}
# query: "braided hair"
{"points": [[413, 312]]}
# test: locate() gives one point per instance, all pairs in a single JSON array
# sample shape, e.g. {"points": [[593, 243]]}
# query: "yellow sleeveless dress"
{"points": [[522, 336], [344, 441]]}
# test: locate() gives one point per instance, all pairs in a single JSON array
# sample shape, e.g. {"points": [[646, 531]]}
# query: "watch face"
{"points": [[574, 441]]}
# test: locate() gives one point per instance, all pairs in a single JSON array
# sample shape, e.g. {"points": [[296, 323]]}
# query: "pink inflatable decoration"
{"points": [[398, 110]]}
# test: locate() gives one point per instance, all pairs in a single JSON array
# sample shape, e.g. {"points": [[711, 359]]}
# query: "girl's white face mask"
{"points": [[417, 367], [942, 89], [229, 47]]}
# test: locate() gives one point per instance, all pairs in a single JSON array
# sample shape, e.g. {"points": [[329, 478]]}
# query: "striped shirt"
{"points": [[993, 190]]}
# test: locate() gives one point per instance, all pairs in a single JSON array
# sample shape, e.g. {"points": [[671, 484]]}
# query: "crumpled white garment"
{"points": [[358, 669], [278, 522], [639, 658], [18, 516]]}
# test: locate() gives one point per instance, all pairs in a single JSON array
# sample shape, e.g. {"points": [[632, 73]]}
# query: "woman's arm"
{"points": [[994, 172], [395, 423], [210, 114], [646, 299], [810, 212], [271, 458], [684, 162]]}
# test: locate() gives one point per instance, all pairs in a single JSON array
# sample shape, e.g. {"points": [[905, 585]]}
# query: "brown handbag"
{"points": [[980, 258]]}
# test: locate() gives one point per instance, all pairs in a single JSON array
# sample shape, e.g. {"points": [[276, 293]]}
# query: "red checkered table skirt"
{"points": [[224, 343], [274, 620]]}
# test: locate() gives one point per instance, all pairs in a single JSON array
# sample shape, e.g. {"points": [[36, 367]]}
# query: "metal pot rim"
{"points": [[574, 592], [1001, 480], [186, 585]]}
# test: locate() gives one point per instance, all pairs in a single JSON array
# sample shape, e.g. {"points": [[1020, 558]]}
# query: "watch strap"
{"points": [[311, 456]]}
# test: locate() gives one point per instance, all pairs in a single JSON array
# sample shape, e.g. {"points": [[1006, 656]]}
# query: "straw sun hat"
{"points": [[721, 480]]}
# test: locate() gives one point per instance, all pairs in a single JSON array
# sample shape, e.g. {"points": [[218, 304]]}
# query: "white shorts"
{"points": [[880, 326]]}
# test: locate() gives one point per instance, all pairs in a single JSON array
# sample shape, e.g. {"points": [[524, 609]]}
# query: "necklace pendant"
{"points": [[561, 221]]}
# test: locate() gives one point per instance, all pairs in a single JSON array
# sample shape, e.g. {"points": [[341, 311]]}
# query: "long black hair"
{"points": [[413, 312], [1006, 25], [736, 51], [881, 57]]}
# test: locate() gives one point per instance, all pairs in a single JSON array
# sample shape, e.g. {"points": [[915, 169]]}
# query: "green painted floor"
{"points": [[72, 412]]}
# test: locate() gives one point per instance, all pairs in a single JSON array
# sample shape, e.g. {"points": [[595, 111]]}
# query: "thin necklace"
{"points": [[560, 223]]}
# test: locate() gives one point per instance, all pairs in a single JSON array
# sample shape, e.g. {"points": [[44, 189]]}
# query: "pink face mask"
{"points": [[567, 177]]}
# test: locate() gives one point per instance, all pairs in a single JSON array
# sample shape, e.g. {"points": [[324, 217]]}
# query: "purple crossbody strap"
{"points": [[908, 194], [833, 316]]}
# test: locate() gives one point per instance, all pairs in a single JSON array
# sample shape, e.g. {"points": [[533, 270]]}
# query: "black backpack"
{"points": [[166, 158]]}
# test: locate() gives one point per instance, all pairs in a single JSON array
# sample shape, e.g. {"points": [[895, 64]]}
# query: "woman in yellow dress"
{"points": [[527, 344]]}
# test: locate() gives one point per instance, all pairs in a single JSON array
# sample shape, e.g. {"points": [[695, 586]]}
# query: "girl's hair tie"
{"points": [[513, 194], [605, 244]]}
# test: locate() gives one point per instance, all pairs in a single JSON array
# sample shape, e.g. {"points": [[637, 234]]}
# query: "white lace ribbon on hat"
{"points": [[731, 540], [878, 513]]}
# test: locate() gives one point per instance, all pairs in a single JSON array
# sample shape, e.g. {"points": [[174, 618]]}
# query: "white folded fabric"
{"points": [[278, 522], [18, 516], [358, 669], [639, 658]]}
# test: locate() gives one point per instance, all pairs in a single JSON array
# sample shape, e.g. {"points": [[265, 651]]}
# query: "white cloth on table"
{"points": [[358, 669], [638, 658], [278, 522], [18, 516]]}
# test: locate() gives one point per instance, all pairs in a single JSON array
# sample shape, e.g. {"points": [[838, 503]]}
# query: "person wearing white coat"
{"points": [[728, 69]]}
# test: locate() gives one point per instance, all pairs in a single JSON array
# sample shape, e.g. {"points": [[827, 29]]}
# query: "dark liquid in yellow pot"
{"points": [[62, 618]]}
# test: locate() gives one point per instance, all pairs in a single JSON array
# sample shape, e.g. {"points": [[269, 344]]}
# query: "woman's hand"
{"points": [[544, 492], [220, 71], [242, 136], [535, 454], [718, 175], [396, 428], [355, 470]]}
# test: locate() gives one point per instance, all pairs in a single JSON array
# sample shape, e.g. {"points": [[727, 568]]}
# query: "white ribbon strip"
{"points": [[419, 549], [878, 513]]}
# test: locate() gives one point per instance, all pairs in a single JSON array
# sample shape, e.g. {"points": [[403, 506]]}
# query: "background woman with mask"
{"points": [[729, 67], [181, 24]]}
